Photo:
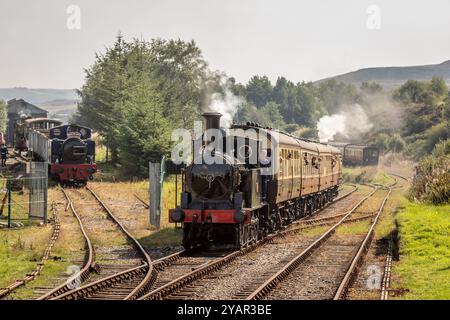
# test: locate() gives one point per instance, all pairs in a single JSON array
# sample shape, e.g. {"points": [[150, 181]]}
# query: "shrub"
{"points": [[431, 182]]}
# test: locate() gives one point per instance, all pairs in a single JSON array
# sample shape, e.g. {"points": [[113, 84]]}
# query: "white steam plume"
{"points": [[227, 104], [351, 122]]}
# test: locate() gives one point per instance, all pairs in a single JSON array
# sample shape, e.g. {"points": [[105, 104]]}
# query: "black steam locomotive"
{"points": [[72, 154], [236, 200], [68, 150]]}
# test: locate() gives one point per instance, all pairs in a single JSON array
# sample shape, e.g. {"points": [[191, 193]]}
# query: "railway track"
{"points": [[324, 264], [172, 279], [124, 272]]}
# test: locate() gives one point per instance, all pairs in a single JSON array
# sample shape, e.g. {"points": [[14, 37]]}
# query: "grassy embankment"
{"points": [[424, 266], [423, 269]]}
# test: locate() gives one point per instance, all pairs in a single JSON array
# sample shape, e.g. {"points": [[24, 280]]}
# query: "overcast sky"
{"points": [[301, 40]]}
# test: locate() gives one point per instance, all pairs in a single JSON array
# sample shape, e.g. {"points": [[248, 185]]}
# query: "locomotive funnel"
{"points": [[212, 120]]}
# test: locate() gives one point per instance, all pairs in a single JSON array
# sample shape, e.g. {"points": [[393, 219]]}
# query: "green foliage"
{"points": [[396, 143], [431, 181], [335, 94], [137, 92], [3, 116], [427, 113], [442, 148], [145, 131], [381, 141], [307, 133], [411, 91], [371, 87], [270, 111], [259, 90], [436, 134]]}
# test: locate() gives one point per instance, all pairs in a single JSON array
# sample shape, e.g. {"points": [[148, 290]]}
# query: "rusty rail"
{"points": [[146, 268], [357, 261], [273, 281], [89, 261], [33, 274], [146, 205], [176, 284]]}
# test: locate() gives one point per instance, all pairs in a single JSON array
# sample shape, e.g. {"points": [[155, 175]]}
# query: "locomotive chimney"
{"points": [[212, 120]]}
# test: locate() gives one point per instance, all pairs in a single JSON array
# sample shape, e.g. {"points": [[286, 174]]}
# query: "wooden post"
{"points": [[9, 203]]}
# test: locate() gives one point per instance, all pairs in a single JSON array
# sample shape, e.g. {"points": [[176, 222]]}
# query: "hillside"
{"points": [[392, 77], [38, 96]]}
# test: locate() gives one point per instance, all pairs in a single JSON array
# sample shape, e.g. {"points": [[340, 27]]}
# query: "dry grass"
{"points": [[68, 248], [102, 231], [354, 228], [120, 197]]}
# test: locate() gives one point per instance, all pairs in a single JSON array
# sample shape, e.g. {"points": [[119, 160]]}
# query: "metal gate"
{"points": [[38, 189]]}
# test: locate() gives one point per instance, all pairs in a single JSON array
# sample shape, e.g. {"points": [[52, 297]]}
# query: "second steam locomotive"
{"points": [[68, 149], [233, 202]]}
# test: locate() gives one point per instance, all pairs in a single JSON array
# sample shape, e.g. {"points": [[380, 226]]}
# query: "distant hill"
{"points": [[392, 77], [60, 109], [61, 104], [38, 96]]}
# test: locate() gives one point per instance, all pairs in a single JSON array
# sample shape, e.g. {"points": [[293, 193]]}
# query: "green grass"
{"points": [[366, 175], [358, 174], [51, 269], [164, 237], [353, 228], [314, 231], [381, 177], [20, 250], [424, 266]]}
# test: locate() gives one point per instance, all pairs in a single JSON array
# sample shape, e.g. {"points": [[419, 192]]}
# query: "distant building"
{"points": [[18, 108]]}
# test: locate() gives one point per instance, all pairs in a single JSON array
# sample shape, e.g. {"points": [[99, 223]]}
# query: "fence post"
{"points": [[9, 202]]}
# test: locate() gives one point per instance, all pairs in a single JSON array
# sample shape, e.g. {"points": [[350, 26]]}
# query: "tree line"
{"points": [[136, 92]]}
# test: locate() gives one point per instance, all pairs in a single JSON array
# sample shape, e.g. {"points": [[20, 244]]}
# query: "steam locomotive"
{"points": [[235, 200], [69, 151], [72, 154]]}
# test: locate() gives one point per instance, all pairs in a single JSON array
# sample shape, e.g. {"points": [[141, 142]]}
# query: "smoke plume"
{"points": [[226, 103], [354, 123], [350, 122]]}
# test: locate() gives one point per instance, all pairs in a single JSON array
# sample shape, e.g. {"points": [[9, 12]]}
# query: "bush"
{"points": [[431, 182]]}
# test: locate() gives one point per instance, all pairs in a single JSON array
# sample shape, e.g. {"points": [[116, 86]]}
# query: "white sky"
{"points": [[301, 40]]}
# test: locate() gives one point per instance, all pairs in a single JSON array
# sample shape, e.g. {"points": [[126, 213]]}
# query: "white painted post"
{"points": [[155, 193]]}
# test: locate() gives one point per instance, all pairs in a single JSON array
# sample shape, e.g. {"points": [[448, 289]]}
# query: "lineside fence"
{"points": [[24, 197]]}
